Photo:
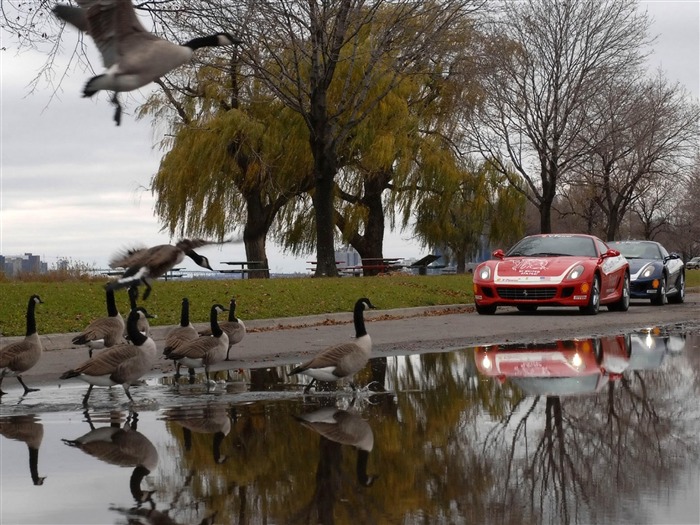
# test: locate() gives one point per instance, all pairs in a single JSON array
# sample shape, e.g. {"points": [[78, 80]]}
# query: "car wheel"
{"points": [[594, 298], [679, 296], [661, 298], [623, 304], [485, 310], [527, 307]]}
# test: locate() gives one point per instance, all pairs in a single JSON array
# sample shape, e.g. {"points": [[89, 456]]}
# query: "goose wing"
{"points": [[110, 329], [178, 337], [109, 361], [196, 349], [336, 356], [114, 27], [187, 245], [130, 257], [21, 355]]}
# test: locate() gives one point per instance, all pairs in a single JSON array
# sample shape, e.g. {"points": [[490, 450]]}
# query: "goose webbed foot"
{"points": [[26, 388], [117, 109], [307, 388]]}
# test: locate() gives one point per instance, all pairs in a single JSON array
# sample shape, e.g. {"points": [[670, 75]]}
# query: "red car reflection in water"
{"points": [[567, 367]]}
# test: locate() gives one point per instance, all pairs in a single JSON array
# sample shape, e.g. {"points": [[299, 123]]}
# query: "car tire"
{"points": [[623, 304], [660, 298], [593, 306], [485, 310], [679, 296], [527, 307]]}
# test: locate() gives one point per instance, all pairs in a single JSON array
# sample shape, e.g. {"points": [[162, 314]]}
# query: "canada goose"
{"points": [[124, 447], [180, 335], [104, 331], [16, 358], [121, 364], [345, 428], [133, 56], [342, 360], [143, 265], [204, 351], [234, 327], [26, 428]]}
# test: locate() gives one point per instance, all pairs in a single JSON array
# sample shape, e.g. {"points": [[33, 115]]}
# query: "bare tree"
{"points": [[641, 137], [549, 59]]}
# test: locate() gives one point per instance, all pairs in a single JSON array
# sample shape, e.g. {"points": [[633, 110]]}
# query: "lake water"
{"points": [[583, 431]]}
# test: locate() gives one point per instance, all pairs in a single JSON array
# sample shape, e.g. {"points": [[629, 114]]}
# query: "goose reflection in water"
{"points": [[26, 428], [209, 419], [337, 427], [123, 446]]}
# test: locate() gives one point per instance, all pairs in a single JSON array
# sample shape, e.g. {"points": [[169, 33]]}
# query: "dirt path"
{"points": [[413, 330]]}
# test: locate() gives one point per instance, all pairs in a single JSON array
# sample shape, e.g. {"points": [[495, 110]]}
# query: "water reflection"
{"points": [[453, 444], [27, 429], [123, 446], [565, 367]]}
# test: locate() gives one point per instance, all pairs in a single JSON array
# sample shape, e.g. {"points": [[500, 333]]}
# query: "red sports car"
{"points": [[554, 270]]}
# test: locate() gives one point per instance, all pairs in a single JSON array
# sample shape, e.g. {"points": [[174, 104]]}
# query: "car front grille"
{"points": [[524, 294]]}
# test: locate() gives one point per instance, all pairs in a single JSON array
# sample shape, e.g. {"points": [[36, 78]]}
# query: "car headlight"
{"points": [[485, 273], [486, 363], [576, 272], [648, 271]]}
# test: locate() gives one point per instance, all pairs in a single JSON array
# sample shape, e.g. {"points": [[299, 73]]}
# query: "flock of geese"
{"points": [[127, 356], [134, 57]]}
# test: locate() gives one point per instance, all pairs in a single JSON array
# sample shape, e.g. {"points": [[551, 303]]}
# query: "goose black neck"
{"points": [[232, 312], [135, 480], [34, 465], [198, 259], [132, 329], [216, 445], [185, 313], [31, 317], [111, 304], [203, 41], [362, 477], [216, 330], [358, 317]]}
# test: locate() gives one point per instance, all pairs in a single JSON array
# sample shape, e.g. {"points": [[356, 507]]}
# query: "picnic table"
{"points": [[374, 264], [244, 267]]}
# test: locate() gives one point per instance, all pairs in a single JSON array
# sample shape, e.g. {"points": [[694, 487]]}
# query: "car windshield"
{"points": [[637, 250], [552, 246]]}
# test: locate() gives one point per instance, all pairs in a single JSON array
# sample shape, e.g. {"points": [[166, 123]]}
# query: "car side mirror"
{"points": [[611, 253], [498, 254]]}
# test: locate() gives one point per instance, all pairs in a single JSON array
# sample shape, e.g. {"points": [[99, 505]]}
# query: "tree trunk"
{"points": [[325, 225], [254, 237]]}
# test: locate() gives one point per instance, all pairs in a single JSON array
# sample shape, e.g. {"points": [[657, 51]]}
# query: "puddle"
{"points": [[593, 430]]}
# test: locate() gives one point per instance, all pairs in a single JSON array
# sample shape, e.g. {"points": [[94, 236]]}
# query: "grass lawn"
{"points": [[70, 305]]}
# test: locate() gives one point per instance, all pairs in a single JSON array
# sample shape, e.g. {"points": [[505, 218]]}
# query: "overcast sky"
{"points": [[72, 183]]}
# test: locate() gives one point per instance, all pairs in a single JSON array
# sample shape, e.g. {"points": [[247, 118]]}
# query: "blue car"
{"points": [[655, 274]]}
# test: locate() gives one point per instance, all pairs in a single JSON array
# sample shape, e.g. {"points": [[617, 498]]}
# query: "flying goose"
{"points": [[341, 360], [133, 56], [180, 335], [119, 365], [345, 428], [144, 265], [234, 327], [16, 358], [104, 331], [27, 429], [204, 351]]}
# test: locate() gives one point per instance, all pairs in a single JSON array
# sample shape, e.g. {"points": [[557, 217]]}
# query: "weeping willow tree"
{"points": [[228, 165], [463, 206]]}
